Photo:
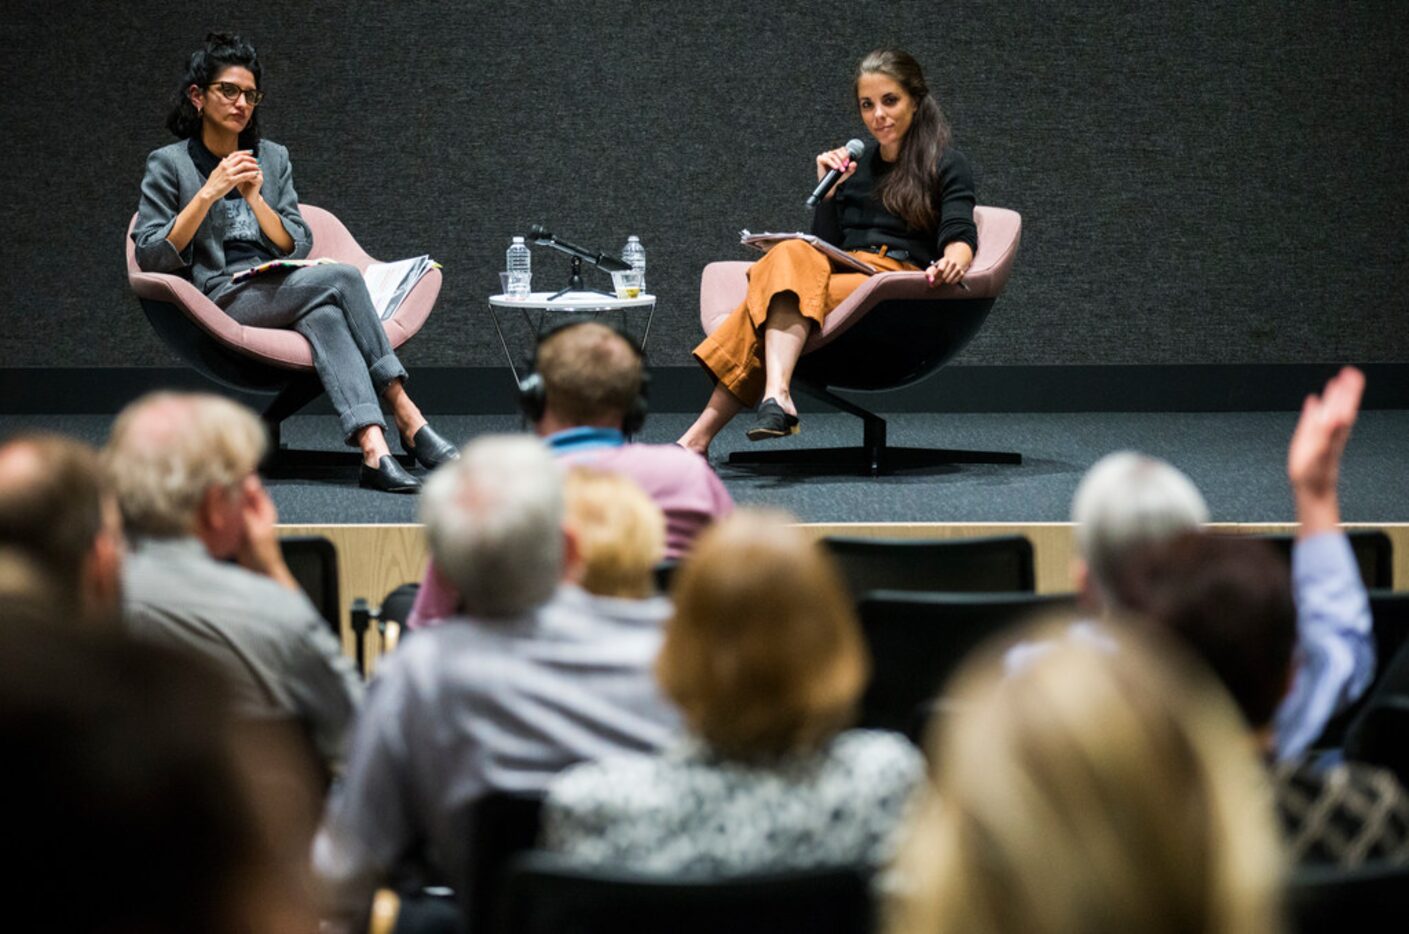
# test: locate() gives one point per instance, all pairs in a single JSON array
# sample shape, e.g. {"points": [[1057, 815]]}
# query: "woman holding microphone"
{"points": [[221, 200], [907, 203]]}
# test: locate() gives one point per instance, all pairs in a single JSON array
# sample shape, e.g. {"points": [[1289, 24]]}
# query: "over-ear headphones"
{"points": [[533, 391]]}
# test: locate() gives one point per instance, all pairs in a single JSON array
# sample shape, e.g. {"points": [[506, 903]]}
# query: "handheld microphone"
{"points": [[854, 149]]}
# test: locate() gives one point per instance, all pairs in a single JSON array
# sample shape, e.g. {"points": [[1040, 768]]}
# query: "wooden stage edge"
{"points": [[373, 559]]}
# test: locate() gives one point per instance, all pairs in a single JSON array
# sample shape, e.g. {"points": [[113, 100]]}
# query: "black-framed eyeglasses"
{"points": [[232, 92]]}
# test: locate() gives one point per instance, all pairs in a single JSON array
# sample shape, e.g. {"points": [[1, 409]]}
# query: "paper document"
{"points": [[766, 241], [389, 283]]}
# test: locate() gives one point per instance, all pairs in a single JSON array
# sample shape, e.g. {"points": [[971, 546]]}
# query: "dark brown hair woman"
{"points": [[906, 203]]}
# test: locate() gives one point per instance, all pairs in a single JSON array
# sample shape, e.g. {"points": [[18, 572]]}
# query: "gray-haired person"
{"points": [[501, 697]]}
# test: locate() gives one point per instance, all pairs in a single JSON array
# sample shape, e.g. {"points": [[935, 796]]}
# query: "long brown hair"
{"points": [[908, 191]]}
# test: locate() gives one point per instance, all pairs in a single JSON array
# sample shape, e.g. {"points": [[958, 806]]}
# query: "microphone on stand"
{"points": [[604, 261], [854, 149]]}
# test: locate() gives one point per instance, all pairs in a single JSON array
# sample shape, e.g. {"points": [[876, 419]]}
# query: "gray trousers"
{"points": [[330, 306]]}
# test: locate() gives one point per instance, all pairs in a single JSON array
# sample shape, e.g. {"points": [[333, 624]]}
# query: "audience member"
{"points": [[28, 592], [500, 698], [183, 467], [1089, 791], [585, 396], [618, 534], [766, 661], [130, 804], [1129, 500], [56, 509], [1229, 600]]}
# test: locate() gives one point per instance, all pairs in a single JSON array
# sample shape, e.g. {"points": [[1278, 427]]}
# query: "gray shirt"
{"points": [[278, 653], [172, 180], [470, 706]]}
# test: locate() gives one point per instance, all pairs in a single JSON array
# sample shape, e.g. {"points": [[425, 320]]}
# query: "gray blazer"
{"points": [[169, 185]]}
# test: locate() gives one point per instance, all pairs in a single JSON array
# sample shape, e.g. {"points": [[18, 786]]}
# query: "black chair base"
{"points": [[874, 458], [282, 463], [873, 463]]}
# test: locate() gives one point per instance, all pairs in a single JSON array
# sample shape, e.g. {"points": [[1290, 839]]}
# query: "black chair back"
{"points": [[545, 894], [496, 828], [313, 561], [1389, 611], [1374, 554], [397, 604], [665, 575], [918, 639], [1380, 734], [959, 565], [1367, 900]]}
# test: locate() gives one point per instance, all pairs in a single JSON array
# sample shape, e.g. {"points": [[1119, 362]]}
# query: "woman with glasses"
{"points": [[222, 199]]}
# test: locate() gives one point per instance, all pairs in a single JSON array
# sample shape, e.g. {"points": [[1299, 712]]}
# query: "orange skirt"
{"points": [[733, 354]]}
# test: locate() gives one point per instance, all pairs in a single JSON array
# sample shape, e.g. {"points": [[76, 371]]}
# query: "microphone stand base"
{"points": [[575, 283]]}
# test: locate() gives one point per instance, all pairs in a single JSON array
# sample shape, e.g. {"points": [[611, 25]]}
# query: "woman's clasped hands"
{"points": [[239, 170]]}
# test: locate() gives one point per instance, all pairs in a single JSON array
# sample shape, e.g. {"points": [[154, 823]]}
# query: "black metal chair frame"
{"points": [[906, 680], [820, 901], [938, 561], [897, 343]]}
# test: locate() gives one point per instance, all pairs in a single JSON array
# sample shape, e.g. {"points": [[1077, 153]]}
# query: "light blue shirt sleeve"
{"points": [[1335, 654]]}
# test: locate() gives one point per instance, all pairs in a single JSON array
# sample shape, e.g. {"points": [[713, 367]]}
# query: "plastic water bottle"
{"points": [[635, 254], [519, 263]]}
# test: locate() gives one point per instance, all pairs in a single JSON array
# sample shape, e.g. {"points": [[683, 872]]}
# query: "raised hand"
{"points": [[1314, 455]]}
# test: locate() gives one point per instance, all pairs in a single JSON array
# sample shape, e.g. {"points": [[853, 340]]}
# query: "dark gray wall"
{"points": [[1201, 183]]}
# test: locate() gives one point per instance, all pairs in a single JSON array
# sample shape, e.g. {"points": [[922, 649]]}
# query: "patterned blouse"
{"points": [[690, 812], [1346, 815]]}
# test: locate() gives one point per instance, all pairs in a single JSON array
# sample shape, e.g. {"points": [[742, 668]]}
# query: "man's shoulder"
{"points": [[190, 577]]}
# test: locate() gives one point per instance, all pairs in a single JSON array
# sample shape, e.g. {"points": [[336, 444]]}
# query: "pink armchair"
{"points": [[891, 332], [265, 360]]}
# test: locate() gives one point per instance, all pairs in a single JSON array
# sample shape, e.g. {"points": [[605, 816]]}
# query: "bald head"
{"points": [[168, 449], [591, 375]]}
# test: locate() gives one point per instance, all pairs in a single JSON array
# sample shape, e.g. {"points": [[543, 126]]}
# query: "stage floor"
{"points": [[1236, 458]]}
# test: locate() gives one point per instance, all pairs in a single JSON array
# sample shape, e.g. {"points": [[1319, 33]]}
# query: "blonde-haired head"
{"points": [[619, 532], [1103, 786]]}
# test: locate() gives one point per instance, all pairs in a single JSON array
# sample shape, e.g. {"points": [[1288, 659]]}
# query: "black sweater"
{"points": [[855, 220]]}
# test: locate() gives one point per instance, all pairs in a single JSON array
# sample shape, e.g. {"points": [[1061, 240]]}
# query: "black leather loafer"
{"points": [[429, 448], [388, 476], [772, 422]]}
